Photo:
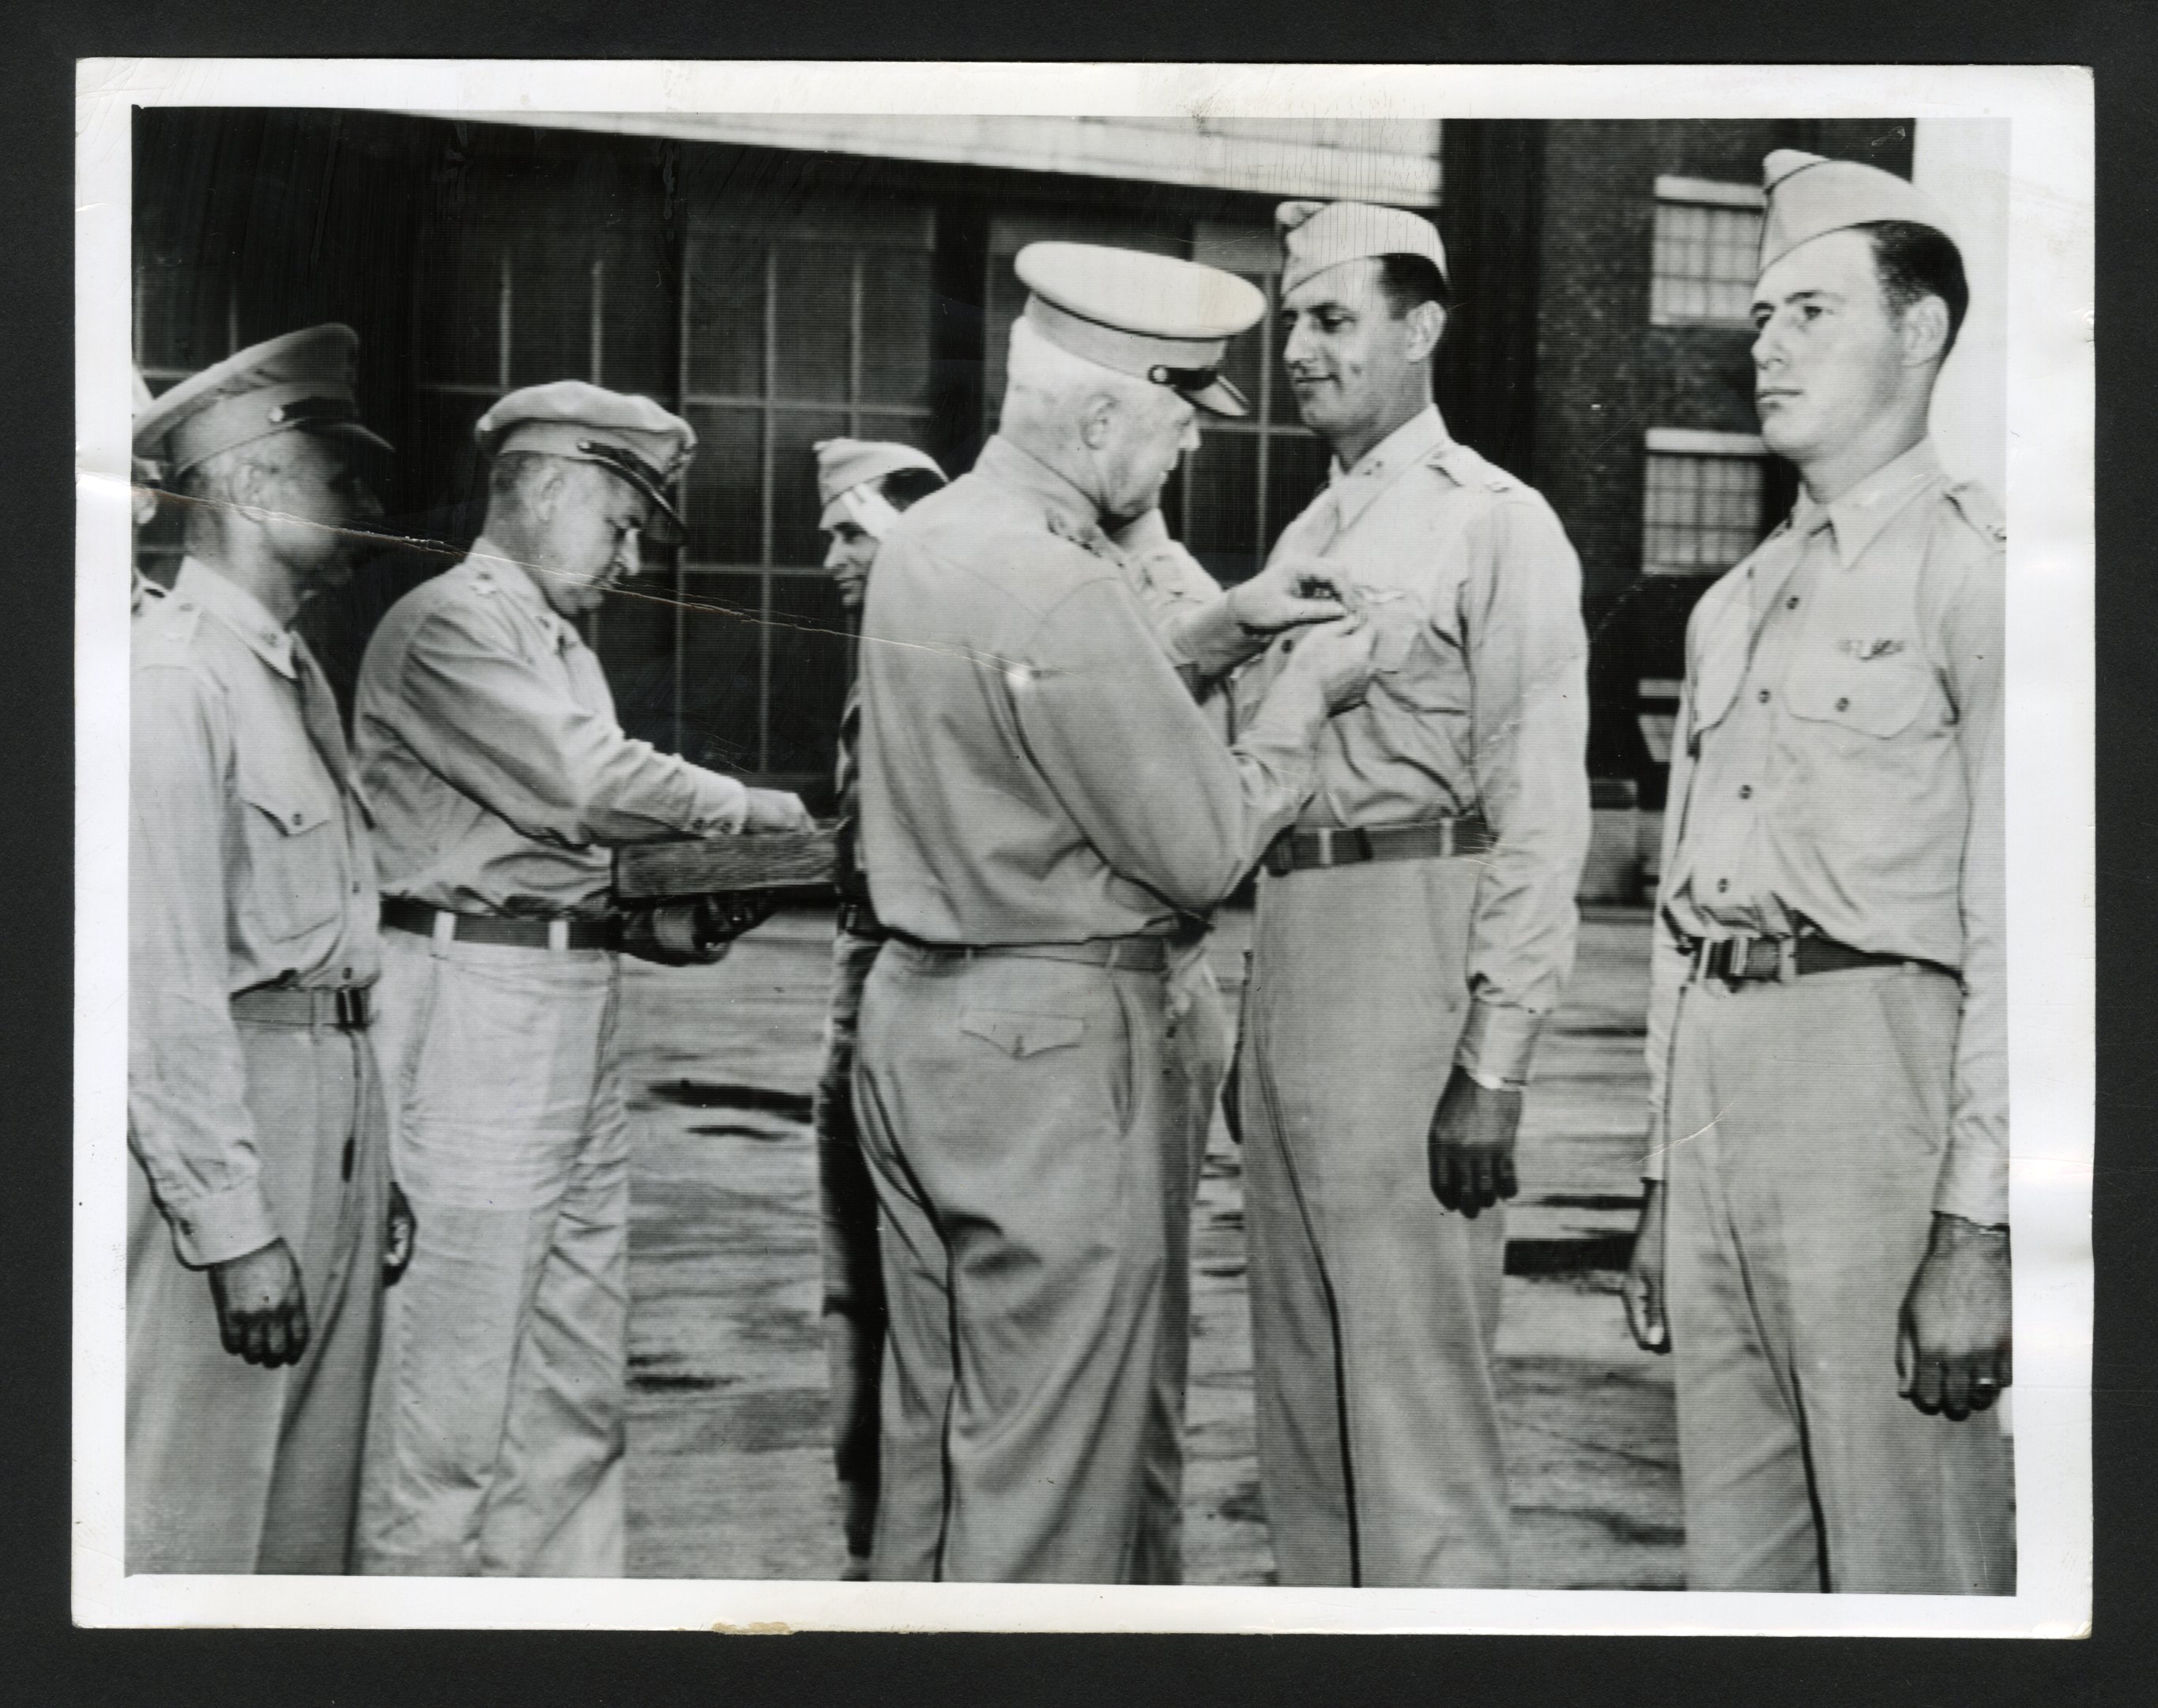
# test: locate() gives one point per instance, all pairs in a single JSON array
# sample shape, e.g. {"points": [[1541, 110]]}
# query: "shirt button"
{"points": [[1791, 603], [1746, 791], [1843, 705], [1764, 696], [296, 817], [1722, 884]]}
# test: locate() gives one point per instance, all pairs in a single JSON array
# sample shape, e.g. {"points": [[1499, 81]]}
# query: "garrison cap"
{"points": [[845, 464], [1810, 196], [631, 437], [1149, 316], [1316, 235], [303, 380]]}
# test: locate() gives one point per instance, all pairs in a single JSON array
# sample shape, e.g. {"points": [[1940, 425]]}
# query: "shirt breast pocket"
{"points": [[1877, 699], [292, 836]]}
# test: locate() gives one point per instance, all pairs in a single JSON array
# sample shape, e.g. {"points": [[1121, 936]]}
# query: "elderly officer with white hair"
{"points": [[501, 779], [1040, 800], [864, 487], [259, 1217], [1824, 1245], [1413, 931]]}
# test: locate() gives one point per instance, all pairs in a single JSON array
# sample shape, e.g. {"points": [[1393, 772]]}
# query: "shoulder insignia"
{"points": [[1980, 509], [1470, 468], [1084, 536]]}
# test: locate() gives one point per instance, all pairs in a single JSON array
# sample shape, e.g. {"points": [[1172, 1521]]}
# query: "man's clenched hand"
{"points": [[1954, 1340], [262, 1306], [1472, 1144]]}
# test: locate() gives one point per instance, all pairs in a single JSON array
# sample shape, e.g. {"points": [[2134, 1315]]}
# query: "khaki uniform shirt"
{"points": [[248, 865], [489, 746], [1481, 705], [1836, 764], [1033, 769]]}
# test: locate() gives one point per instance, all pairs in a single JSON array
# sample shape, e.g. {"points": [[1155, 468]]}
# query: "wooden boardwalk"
{"points": [[729, 1473]]}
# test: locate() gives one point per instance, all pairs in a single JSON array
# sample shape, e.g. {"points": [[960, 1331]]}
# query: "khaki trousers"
{"points": [[1194, 1060], [1013, 1116], [231, 1468], [1808, 1122], [1374, 1310], [496, 1443], [853, 1308]]}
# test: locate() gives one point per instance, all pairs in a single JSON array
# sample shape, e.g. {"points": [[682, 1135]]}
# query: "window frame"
{"points": [[1672, 191]]}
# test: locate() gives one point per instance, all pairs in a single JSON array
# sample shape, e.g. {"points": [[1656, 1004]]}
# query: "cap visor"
{"points": [[663, 527], [1219, 399], [353, 431]]}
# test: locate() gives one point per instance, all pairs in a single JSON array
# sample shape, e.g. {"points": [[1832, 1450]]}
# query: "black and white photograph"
{"points": [[1179, 847]]}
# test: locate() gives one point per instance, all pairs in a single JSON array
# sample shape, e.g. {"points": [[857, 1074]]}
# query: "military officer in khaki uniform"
{"points": [[144, 475], [1040, 798], [501, 780], [1413, 931], [1824, 1245], [257, 1223], [864, 487]]}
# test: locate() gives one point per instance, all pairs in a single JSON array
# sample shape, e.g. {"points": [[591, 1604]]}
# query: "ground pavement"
{"points": [[729, 1475]]}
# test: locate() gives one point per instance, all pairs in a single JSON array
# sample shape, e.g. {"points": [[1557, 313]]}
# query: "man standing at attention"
{"points": [[259, 1234], [1041, 799], [1413, 931], [1823, 1242], [864, 487], [501, 779]]}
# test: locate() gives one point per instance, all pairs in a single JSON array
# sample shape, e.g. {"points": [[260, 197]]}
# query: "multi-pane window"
{"points": [[1250, 475], [1708, 251], [1702, 510], [767, 328]]}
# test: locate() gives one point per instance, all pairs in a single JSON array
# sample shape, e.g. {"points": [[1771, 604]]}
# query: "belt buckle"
{"points": [[352, 1007], [1325, 836]]}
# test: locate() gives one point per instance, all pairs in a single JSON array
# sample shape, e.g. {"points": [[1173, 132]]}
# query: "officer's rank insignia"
{"points": [[1866, 650]]}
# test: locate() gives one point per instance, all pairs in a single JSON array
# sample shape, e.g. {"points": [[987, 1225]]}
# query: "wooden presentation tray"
{"points": [[715, 865]]}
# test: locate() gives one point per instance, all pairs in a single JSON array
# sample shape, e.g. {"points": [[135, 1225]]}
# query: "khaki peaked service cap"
{"points": [[1316, 235], [1150, 316], [844, 464], [629, 437], [1810, 196], [303, 379]]}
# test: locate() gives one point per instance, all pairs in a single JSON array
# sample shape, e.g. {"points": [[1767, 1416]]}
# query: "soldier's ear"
{"points": [[1096, 419], [1427, 326], [1922, 331]]}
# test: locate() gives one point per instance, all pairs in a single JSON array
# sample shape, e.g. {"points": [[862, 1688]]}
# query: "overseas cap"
{"points": [[1810, 196], [1316, 235], [302, 379], [629, 437], [1149, 316], [845, 464]]}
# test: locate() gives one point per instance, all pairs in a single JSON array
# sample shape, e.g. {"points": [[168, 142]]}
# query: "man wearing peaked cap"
{"points": [[501, 780], [864, 486], [1823, 1242], [261, 1226], [1041, 802], [1414, 928]]}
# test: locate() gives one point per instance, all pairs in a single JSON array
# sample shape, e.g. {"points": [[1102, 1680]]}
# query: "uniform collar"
{"points": [[1008, 465], [1857, 518], [494, 566], [1408, 445], [238, 610]]}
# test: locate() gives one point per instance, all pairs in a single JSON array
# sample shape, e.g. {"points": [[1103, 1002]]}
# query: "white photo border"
{"points": [[2051, 381]]}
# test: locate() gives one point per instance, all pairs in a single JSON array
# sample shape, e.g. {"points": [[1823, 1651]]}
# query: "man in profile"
{"points": [[1041, 799]]}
